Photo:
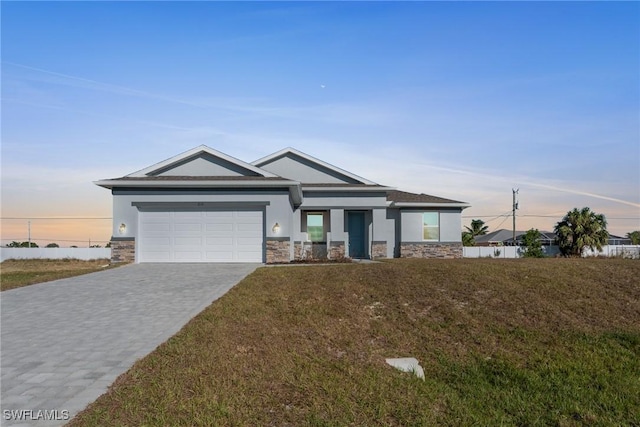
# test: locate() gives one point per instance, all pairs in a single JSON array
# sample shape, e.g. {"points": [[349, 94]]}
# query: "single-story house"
{"points": [[206, 206]]}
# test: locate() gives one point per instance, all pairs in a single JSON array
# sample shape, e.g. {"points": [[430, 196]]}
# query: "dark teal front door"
{"points": [[355, 222]]}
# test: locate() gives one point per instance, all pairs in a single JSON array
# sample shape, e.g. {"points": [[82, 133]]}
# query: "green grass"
{"points": [[18, 273], [502, 342]]}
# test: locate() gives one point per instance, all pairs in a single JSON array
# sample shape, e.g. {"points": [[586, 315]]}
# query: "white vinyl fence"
{"points": [[55, 253], [623, 251]]}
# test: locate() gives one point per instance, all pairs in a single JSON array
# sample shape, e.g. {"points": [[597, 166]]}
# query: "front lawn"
{"points": [[511, 342], [15, 273]]}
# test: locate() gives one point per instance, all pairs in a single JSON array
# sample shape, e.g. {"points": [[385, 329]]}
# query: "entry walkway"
{"points": [[64, 342]]}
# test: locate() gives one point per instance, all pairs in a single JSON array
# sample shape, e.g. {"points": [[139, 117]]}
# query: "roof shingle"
{"points": [[405, 197]]}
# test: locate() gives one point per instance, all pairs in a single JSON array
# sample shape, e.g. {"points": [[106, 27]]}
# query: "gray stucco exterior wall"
{"points": [[276, 204]]}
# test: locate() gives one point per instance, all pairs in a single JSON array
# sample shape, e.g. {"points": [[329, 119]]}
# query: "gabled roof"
{"points": [[241, 174], [194, 153], [204, 167], [293, 153], [404, 199]]}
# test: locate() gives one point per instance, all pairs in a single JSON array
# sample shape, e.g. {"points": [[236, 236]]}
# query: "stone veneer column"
{"points": [[278, 250], [430, 250], [378, 249], [123, 249], [336, 250]]}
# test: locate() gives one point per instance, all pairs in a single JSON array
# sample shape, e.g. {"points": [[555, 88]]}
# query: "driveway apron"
{"points": [[64, 342]]}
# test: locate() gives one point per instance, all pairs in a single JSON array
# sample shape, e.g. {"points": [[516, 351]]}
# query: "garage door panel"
{"points": [[213, 227], [205, 236], [182, 226], [187, 241], [219, 256], [249, 227], [249, 241], [219, 241], [188, 256], [179, 215]]}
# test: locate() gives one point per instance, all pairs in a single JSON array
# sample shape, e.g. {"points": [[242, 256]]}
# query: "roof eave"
{"points": [[111, 183], [348, 189], [429, 205]]}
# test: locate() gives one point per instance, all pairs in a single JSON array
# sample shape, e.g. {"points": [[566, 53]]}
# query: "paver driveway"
{"points": [[64, 342]]}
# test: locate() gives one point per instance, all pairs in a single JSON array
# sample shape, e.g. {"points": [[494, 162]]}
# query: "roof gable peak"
{"points": [[202, 161], [311, 169]]}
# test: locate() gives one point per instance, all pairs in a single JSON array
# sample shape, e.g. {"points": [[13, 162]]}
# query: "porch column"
{"points": [[337, 244], [381, 235], [296, 234]]}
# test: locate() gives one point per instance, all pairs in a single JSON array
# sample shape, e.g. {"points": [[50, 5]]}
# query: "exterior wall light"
{"points": [[123, 228], [276, 228]]}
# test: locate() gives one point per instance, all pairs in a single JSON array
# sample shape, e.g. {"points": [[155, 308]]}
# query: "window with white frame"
{"points": [[315, 226], [431, 226]]}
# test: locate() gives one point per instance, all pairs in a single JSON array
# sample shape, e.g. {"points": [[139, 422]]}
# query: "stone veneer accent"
{"points": [[430, 250], [123, 249], [278, 250], [309, 250], [336, 250], [378, 249]]}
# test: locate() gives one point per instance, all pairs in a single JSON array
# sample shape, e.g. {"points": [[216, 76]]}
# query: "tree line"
{"points": [[15, 244]]}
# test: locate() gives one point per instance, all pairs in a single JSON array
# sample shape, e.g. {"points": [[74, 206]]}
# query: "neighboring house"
{"points": [[617, 240], [206, 206], [504, 237]]}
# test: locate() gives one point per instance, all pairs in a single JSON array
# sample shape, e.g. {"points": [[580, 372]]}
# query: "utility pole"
{"points": [[29, 231], [515, 206]]}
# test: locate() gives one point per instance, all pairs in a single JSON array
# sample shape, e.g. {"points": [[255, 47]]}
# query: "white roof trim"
{"points": [[194, 152], [312, 159], [110, 183]]}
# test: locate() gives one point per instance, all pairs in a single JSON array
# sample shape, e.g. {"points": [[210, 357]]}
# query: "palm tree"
{"points": [[477, 229], [580, 229], [634, 236], [467, 239]]}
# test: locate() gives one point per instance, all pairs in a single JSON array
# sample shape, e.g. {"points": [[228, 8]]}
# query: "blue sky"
{"points": [[461, 100]]}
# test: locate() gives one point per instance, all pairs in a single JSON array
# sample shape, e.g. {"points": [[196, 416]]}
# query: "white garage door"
{"points": [[209, 236]]}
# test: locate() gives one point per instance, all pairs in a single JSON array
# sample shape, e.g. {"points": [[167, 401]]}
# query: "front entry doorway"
{"points": [[356, 224]]}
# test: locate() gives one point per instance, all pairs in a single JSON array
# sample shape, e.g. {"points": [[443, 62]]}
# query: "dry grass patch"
{"points": [[15, 273], [515, 342]]}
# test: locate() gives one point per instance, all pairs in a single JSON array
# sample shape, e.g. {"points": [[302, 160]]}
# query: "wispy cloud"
{"points": [[81, 82], [349, 113]]}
